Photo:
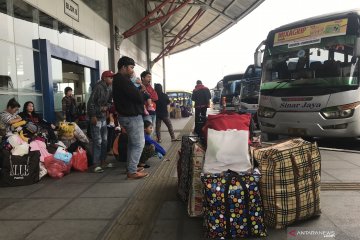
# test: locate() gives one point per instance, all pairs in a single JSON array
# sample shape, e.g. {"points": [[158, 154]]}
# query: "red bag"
{"points": [[226, 121], [56, 168], [79, 160]]}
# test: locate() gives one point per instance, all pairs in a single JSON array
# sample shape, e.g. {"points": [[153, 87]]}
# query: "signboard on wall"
{"points": [[71, 9]]}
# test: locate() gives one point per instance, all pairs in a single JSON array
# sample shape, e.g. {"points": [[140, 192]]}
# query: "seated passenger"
{"points": [[74, 139], [151, 147], [9, 115], [29, 115]]}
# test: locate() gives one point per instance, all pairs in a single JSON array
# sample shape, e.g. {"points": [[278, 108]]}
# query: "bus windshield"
{"points": [[325, 64]]}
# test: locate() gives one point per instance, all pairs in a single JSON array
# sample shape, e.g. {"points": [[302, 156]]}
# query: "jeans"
{"points": [[99, 137], [134, 127]]}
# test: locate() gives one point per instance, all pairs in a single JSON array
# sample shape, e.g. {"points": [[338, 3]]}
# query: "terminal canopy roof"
{"points": [[197, 21]]}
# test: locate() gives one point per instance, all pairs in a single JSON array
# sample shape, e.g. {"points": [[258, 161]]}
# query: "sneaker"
{"points": [[138, 175], [98, 170], [109, 165]]}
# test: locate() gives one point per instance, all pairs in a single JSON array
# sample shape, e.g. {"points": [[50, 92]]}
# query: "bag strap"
{"points": [[296, 185]]}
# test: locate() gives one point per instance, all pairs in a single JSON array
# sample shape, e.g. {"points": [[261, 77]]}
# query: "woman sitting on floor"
{"points": [[29, 115]]}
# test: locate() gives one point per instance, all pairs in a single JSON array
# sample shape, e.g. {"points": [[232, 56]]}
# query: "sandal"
{"points": [[144, 166], [175, 139]]}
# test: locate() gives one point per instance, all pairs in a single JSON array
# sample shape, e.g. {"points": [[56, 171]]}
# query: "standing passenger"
{"points": [[98, 105], [129, 103], [69, 105], [150, 104], [162, 113], [201, 96]]}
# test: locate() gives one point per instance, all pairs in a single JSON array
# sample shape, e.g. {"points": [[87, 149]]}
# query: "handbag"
{"points": [[63, 155], [79, 160], [19, 170]]}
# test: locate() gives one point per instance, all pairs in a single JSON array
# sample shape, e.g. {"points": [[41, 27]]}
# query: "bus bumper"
{"points": [[311, 124]]}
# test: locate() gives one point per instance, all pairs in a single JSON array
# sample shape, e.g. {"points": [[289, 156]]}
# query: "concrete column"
{"points": [[163, 63]]}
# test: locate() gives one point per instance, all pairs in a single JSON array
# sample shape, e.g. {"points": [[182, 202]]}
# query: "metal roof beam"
{"points": [[148, 21], [179, 2], [186, 39], [208, 6], [180, 36]]}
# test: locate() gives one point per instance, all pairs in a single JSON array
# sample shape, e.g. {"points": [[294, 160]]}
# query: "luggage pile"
{"points": [[28, 158], [243, 187]]}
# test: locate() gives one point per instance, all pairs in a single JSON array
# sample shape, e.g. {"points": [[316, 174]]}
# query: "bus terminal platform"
{"points": [[85, 206]]}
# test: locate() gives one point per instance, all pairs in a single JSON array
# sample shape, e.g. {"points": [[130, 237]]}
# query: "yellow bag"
{"points": [[18, 124], [66, 130]]}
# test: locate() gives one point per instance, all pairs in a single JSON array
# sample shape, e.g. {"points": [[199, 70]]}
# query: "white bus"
{"points": [[310, 77]]}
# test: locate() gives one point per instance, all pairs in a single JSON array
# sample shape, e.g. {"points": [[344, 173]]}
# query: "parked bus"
{"points": [[310, 77], [242, 91]]}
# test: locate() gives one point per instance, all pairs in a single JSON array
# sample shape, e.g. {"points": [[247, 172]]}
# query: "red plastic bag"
{"points": [[79, 160], [56, 168], [226, 121]]}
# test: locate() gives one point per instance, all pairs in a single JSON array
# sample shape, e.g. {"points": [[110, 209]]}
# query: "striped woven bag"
{"points": [[290, 182]]}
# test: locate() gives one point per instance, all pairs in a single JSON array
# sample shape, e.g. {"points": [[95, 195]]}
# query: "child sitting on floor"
{"points": [[151, 147]]}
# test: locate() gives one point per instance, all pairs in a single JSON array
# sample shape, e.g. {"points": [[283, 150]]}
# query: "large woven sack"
{"points": [[183, 167], [233, 206], [196, 195], [290, 182]]}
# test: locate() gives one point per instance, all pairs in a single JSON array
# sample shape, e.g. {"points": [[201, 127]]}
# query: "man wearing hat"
{"points": [[97, 106], [201, 96]]}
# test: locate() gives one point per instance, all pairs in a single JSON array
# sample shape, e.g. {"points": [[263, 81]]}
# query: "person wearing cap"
{"points": [[97, 107], [201, 96], [129, 103]]}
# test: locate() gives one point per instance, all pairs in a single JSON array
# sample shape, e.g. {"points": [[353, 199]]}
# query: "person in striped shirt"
{"points": [[9, 116]]}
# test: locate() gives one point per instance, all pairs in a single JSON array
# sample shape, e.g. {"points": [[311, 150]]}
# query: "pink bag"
{"points": [[56, 168], [79, 160]]}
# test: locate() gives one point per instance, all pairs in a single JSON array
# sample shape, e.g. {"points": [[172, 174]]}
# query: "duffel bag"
{"points": [[19, 170], [290, 183], [233, 206]]}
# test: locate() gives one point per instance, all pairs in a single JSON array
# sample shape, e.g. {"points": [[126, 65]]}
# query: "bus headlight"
{"points": [[342, 111], [266, 112]]}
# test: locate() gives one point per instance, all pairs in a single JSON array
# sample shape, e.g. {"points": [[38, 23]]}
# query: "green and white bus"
{"points": [[310, 77]]}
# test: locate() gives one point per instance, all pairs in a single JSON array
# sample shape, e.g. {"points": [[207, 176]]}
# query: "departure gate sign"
{"points": [[311, 34]]}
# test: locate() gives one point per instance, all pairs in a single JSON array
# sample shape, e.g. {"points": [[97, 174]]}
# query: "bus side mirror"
{"points": [[257, 59], [258, 55], [357, 48]]}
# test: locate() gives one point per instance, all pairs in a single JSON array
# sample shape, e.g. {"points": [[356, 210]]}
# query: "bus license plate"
{"points": [[297, 131]]}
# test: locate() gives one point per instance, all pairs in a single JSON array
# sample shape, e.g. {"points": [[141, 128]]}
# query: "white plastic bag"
{"points": [[227, 150]]}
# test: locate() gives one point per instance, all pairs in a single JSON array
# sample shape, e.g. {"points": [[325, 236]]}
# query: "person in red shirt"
{"points": [[150, 105]]}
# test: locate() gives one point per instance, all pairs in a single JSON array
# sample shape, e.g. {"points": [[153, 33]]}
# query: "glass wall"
{"points": [[21, 25]]}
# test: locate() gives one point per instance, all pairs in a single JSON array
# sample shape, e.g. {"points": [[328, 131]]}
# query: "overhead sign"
{"points": [[311, 34], [71, 9]]}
